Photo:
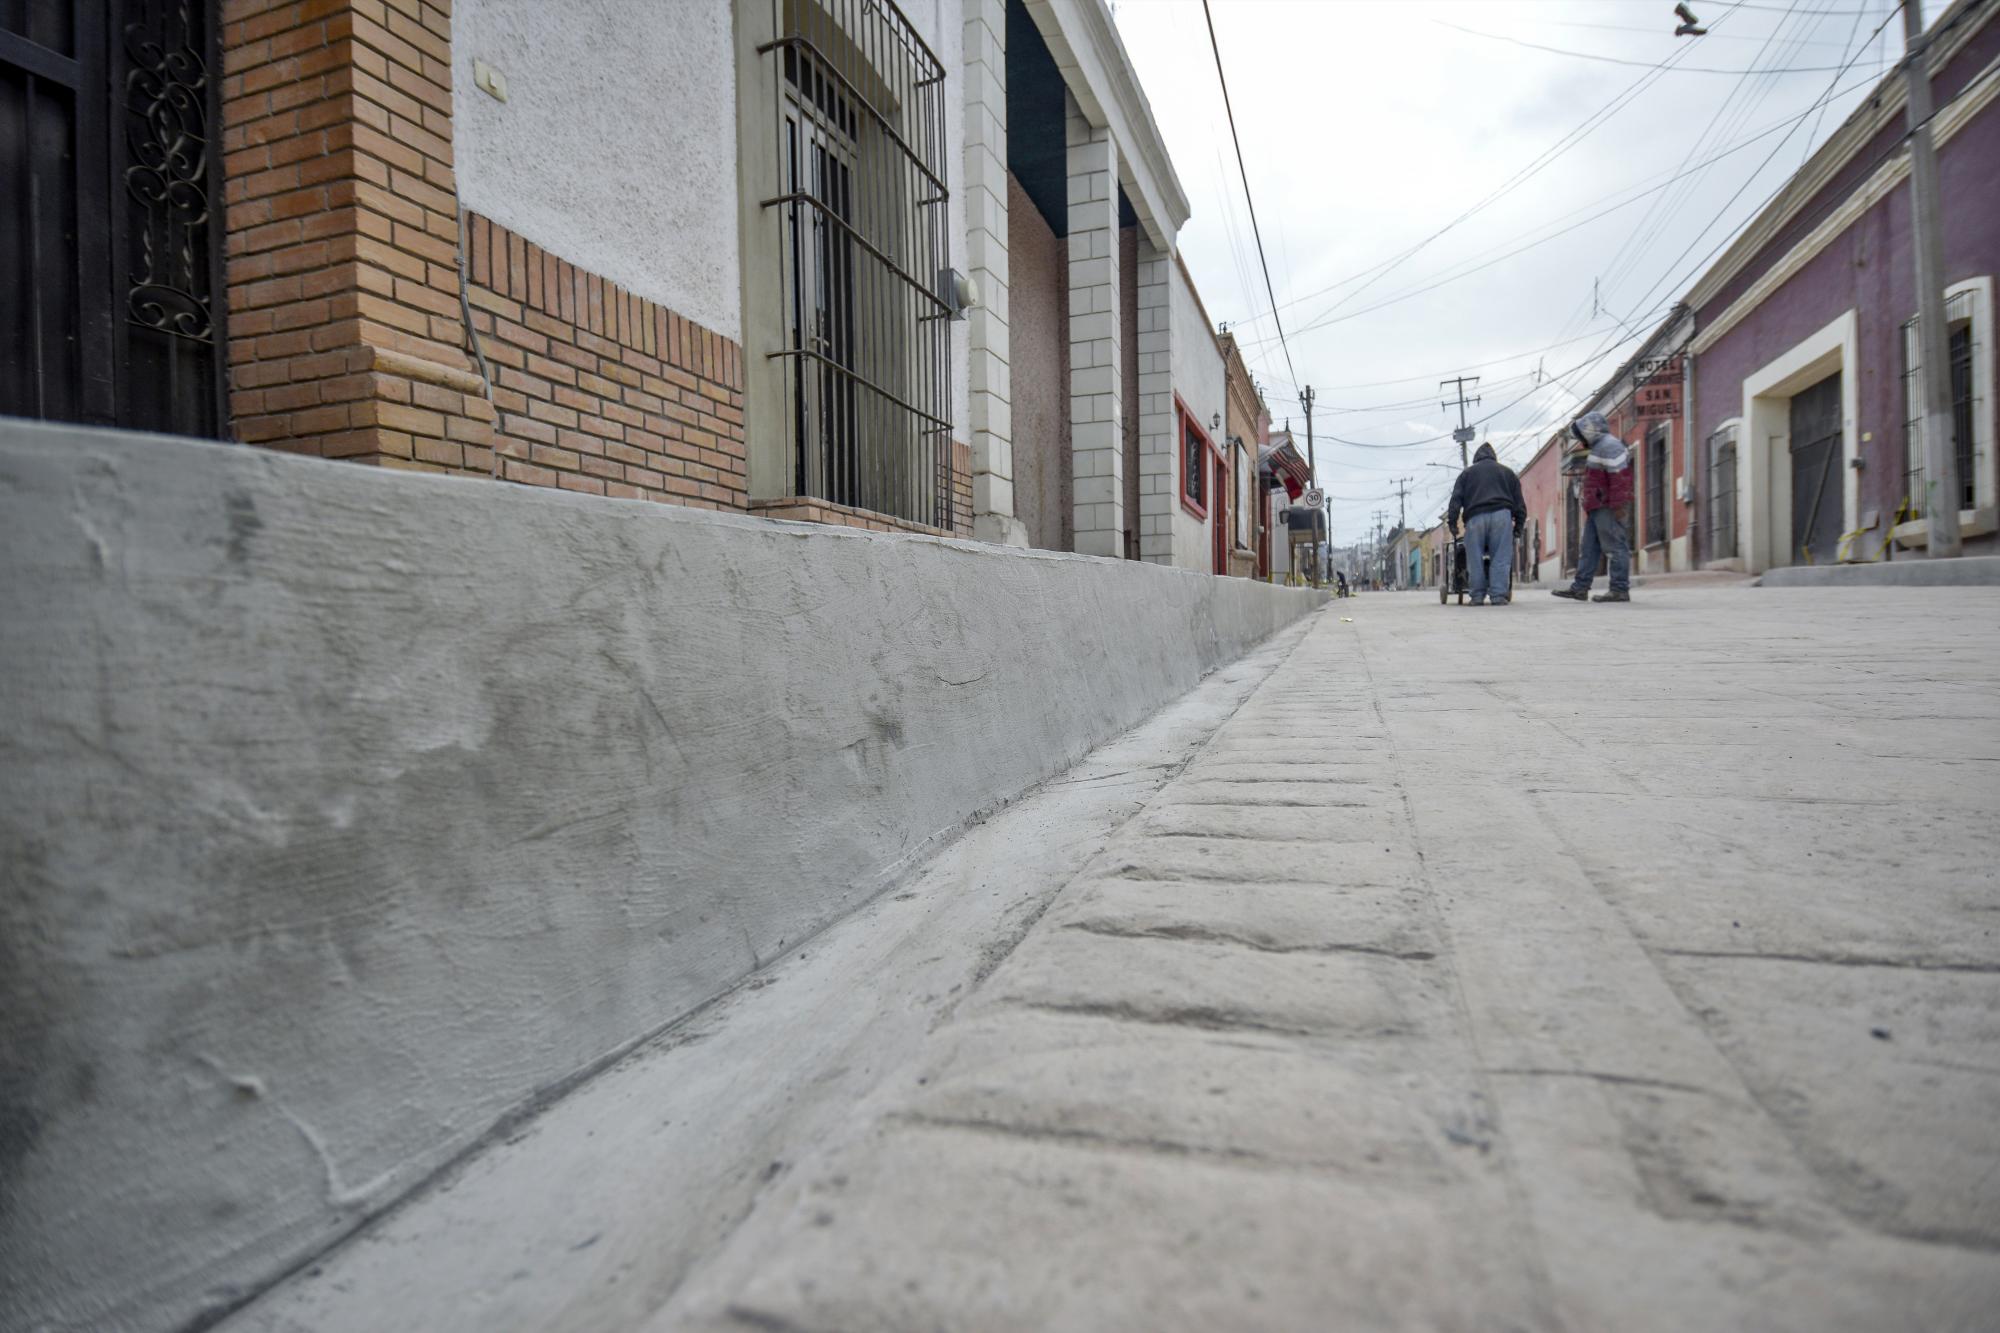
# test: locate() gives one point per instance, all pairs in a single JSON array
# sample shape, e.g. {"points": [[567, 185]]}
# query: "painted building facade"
{"points": [[780, 259], [1542, 491], [1246, 429], [1805, 379]]}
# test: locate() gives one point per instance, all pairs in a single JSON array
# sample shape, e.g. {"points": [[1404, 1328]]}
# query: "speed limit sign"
{"points": [[1314, 498]]}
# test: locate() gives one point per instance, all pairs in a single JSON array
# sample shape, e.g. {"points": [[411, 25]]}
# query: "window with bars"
{"points": [[1963, 347], [863, 203], [1194, 464], [1722, 494], [1656, 484]]}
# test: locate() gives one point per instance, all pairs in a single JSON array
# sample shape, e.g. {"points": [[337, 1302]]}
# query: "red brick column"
{"points": [[347, 337]]}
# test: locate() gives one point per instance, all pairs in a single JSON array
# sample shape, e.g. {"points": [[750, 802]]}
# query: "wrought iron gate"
{"points": [[1722, 495], [110, 219], [1816, 483]]}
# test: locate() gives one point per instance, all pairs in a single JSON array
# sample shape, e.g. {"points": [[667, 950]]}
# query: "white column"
{"points": [[1158, 437], [1096, 409], [991, 424]]}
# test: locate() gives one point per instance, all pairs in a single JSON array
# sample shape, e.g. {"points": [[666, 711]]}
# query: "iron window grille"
{"points": [[110, 243], [1722, 495], [1194, 464], [1963, 350], [863, 206], [1656, 485]]}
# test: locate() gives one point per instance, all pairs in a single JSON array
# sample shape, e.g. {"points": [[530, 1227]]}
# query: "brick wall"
{"points": [[599, 390], [961, 489], [352, 334], [345, 331], [810, 509]]}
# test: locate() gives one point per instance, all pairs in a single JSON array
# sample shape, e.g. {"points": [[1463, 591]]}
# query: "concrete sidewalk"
{"points": [[1555, 967]]}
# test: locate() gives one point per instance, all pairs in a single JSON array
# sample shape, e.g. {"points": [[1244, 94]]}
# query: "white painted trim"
{"points": [[1763, 508], [1855, 133], [1976, 98]]}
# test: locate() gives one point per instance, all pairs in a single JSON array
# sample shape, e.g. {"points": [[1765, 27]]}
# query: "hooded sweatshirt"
{"points": [[1488, 484], [1607, 467]]}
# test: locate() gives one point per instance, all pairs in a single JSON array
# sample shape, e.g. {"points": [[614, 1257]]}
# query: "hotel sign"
{"points": [[1657, 391]]}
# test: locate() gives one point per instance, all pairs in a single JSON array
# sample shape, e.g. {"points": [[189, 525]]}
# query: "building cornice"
{"points": [[1978, 95], [1083, 39], [1855, 133]]}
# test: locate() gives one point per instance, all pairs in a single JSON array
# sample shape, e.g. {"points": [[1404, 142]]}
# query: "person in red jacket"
{"points": [[1606, 467]]}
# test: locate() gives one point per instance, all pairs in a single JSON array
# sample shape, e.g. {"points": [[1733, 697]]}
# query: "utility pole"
{"points": [[1312, 464], [1327, 501], [1464, 432], [1402, 485], [1940, 452]]}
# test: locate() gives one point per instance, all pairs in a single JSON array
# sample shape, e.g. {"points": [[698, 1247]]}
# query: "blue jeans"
{"points": [[1489, 534], [1604, 535]]}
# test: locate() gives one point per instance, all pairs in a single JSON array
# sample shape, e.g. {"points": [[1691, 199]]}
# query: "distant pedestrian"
{"points": [[1488, 494], [1605, 464]]}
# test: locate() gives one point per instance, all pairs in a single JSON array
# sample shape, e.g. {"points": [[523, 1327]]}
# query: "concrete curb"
{"points": [[1973, 571], [345, 814]]}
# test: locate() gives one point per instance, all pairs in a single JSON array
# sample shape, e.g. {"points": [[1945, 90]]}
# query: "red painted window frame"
{"points": [[1184, 419]]}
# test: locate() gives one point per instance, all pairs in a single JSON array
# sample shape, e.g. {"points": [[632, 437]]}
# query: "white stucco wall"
{"points": [[616, 146], [1199, 380]]}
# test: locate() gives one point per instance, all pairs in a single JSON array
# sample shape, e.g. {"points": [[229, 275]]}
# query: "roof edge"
{"points": [[1083, 38]]}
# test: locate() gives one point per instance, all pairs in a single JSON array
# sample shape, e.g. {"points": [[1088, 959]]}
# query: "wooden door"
{"points": [[1218, 514], [1817, 485]]}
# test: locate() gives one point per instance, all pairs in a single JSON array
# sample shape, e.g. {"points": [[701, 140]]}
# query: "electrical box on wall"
{"points": [[489, 80]]}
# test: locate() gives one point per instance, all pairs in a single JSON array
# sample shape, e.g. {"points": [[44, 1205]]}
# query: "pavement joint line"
{"points": [[1192, 934], [1201, 1018], [1601, 1076], [1096, 1140], [1278, 803], [1807, 1157], [1832, 960], [1220, 835], [1540, 1277]]}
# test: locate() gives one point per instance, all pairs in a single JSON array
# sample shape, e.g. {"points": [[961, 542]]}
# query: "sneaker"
{"points": [[1573, 594], [1615, 595], [1479, 601], [1499, 601]]}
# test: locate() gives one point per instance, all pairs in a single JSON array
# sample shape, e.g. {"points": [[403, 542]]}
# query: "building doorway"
{"points": [[1815, 455], [1218, 513]]}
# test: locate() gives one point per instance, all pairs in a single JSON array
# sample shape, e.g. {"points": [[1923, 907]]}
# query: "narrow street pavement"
{"points": [[1557, 967]]}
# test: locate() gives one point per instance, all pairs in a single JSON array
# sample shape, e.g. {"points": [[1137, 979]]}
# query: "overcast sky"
{"points": [[1368, 126]]}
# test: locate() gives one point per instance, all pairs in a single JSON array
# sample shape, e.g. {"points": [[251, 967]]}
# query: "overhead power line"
{"points": [[1256, 231], [1540, 162], [1329, 319], [1640, 64]]}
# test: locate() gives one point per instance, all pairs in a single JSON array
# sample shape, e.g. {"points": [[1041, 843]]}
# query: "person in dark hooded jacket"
{"points": [[1606, 467], [1488, 496]]}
